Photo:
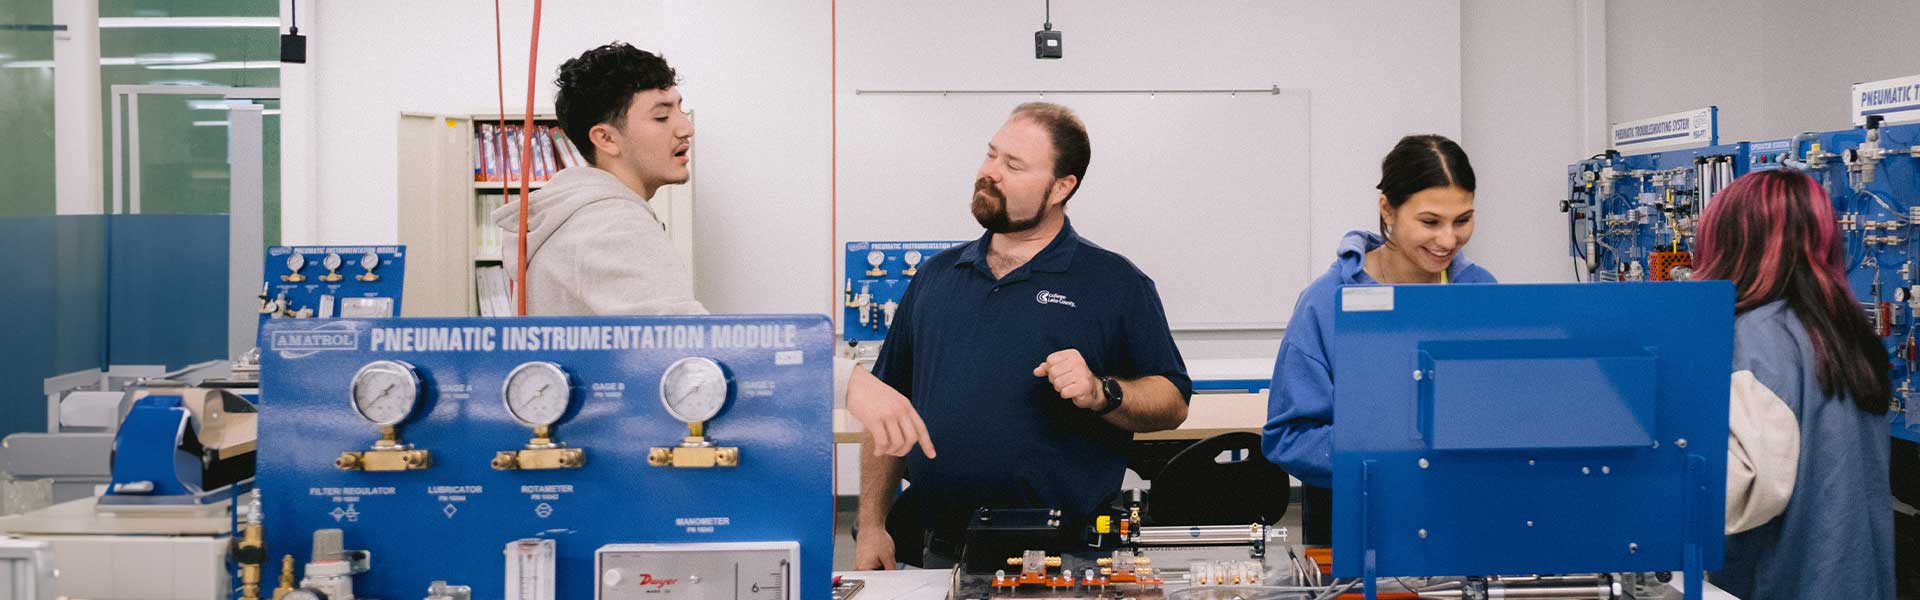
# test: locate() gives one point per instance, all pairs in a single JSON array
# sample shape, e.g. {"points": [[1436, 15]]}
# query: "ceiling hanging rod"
{"points": [[1273, 90]]}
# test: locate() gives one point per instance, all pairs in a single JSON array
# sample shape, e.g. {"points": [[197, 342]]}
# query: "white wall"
{"points": [[758, 76], [1376, 70], [1774, 67], [755, 73], [1525, 115]]}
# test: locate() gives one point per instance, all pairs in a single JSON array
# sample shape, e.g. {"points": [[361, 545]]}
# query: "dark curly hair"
{"points": [[598, 86]]}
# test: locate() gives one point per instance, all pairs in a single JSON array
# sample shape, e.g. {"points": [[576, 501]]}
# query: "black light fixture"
{"points": [[1046, 41], [293, 46]]}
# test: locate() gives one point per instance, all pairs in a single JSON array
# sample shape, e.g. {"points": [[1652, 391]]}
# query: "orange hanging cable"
{"points": [[526, 151]]}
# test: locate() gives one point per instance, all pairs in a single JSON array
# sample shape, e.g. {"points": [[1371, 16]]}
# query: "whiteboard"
{"points": [[1207, 194]]}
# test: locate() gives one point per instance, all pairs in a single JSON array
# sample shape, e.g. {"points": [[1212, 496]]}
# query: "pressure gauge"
{"points": [[694, 389], [386, 392], [876, 257], [295, 261], [913, 263], [331, 262], [537, 393], [369, 260]]}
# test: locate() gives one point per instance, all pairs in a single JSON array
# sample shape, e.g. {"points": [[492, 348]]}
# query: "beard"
{"points": [[990, 209]]}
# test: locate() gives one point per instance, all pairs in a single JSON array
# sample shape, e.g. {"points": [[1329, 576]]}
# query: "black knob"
{"points": [[1873, 121]]}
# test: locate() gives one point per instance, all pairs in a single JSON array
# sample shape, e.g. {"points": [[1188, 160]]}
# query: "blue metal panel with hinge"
{"points": [[1500, 429]]}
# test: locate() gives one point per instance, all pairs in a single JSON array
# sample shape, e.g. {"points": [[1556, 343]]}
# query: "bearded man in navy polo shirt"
{"points": [[1032, 354]]}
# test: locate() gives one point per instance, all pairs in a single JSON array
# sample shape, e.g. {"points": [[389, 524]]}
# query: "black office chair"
{"points": [[1201, 487]]}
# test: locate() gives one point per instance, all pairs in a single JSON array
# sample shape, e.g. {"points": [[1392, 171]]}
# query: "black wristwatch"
{"points": [[1111, 387]]}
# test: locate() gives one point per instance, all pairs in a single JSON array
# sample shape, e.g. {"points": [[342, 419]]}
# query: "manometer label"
{"points": [[701, 524]]}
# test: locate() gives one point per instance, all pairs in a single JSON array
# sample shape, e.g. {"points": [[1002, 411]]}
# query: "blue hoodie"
{"points": [[1299, 431]]}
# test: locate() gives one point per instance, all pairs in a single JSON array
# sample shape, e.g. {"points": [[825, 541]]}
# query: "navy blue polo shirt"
{"points": [[963, 347]]}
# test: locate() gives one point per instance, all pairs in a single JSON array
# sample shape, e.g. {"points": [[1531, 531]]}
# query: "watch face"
{"points": [[1110, 387]]}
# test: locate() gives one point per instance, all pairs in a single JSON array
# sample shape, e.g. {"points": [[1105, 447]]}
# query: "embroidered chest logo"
{"points": [[1046, 297]]}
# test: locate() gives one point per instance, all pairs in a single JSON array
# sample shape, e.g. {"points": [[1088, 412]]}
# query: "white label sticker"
{"points": [[1693, 128], [1366, 299], [788, 357], [1897, 100]]}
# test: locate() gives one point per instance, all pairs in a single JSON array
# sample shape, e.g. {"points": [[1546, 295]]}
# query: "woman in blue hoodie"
{"points": [[1426, 217]]}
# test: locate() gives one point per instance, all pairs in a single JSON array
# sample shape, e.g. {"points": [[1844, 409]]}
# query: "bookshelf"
{"points": [[447, 193]]}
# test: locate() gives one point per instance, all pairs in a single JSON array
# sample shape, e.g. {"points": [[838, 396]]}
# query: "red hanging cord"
{"points": [[526, 151], [526, 138]]}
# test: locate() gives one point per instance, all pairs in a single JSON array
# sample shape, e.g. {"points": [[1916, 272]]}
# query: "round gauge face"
{"points": [[875, 258], [537, 394], [295, 261], [385, 392], [694, 389], [369, 260], [331, 262], [913, 257]]}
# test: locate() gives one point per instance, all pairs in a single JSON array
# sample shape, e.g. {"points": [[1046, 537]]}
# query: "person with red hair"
{"points": [[1809, 506]]}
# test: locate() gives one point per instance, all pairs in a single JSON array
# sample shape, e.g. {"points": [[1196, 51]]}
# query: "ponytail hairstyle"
{"points": [[1772, 233], [1419, 163]]}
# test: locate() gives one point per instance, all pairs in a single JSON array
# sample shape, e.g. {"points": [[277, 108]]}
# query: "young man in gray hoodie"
{"points": [[594, 246]]}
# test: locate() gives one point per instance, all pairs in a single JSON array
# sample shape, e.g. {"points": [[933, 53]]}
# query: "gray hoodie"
{"points": [[596, 248]]}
